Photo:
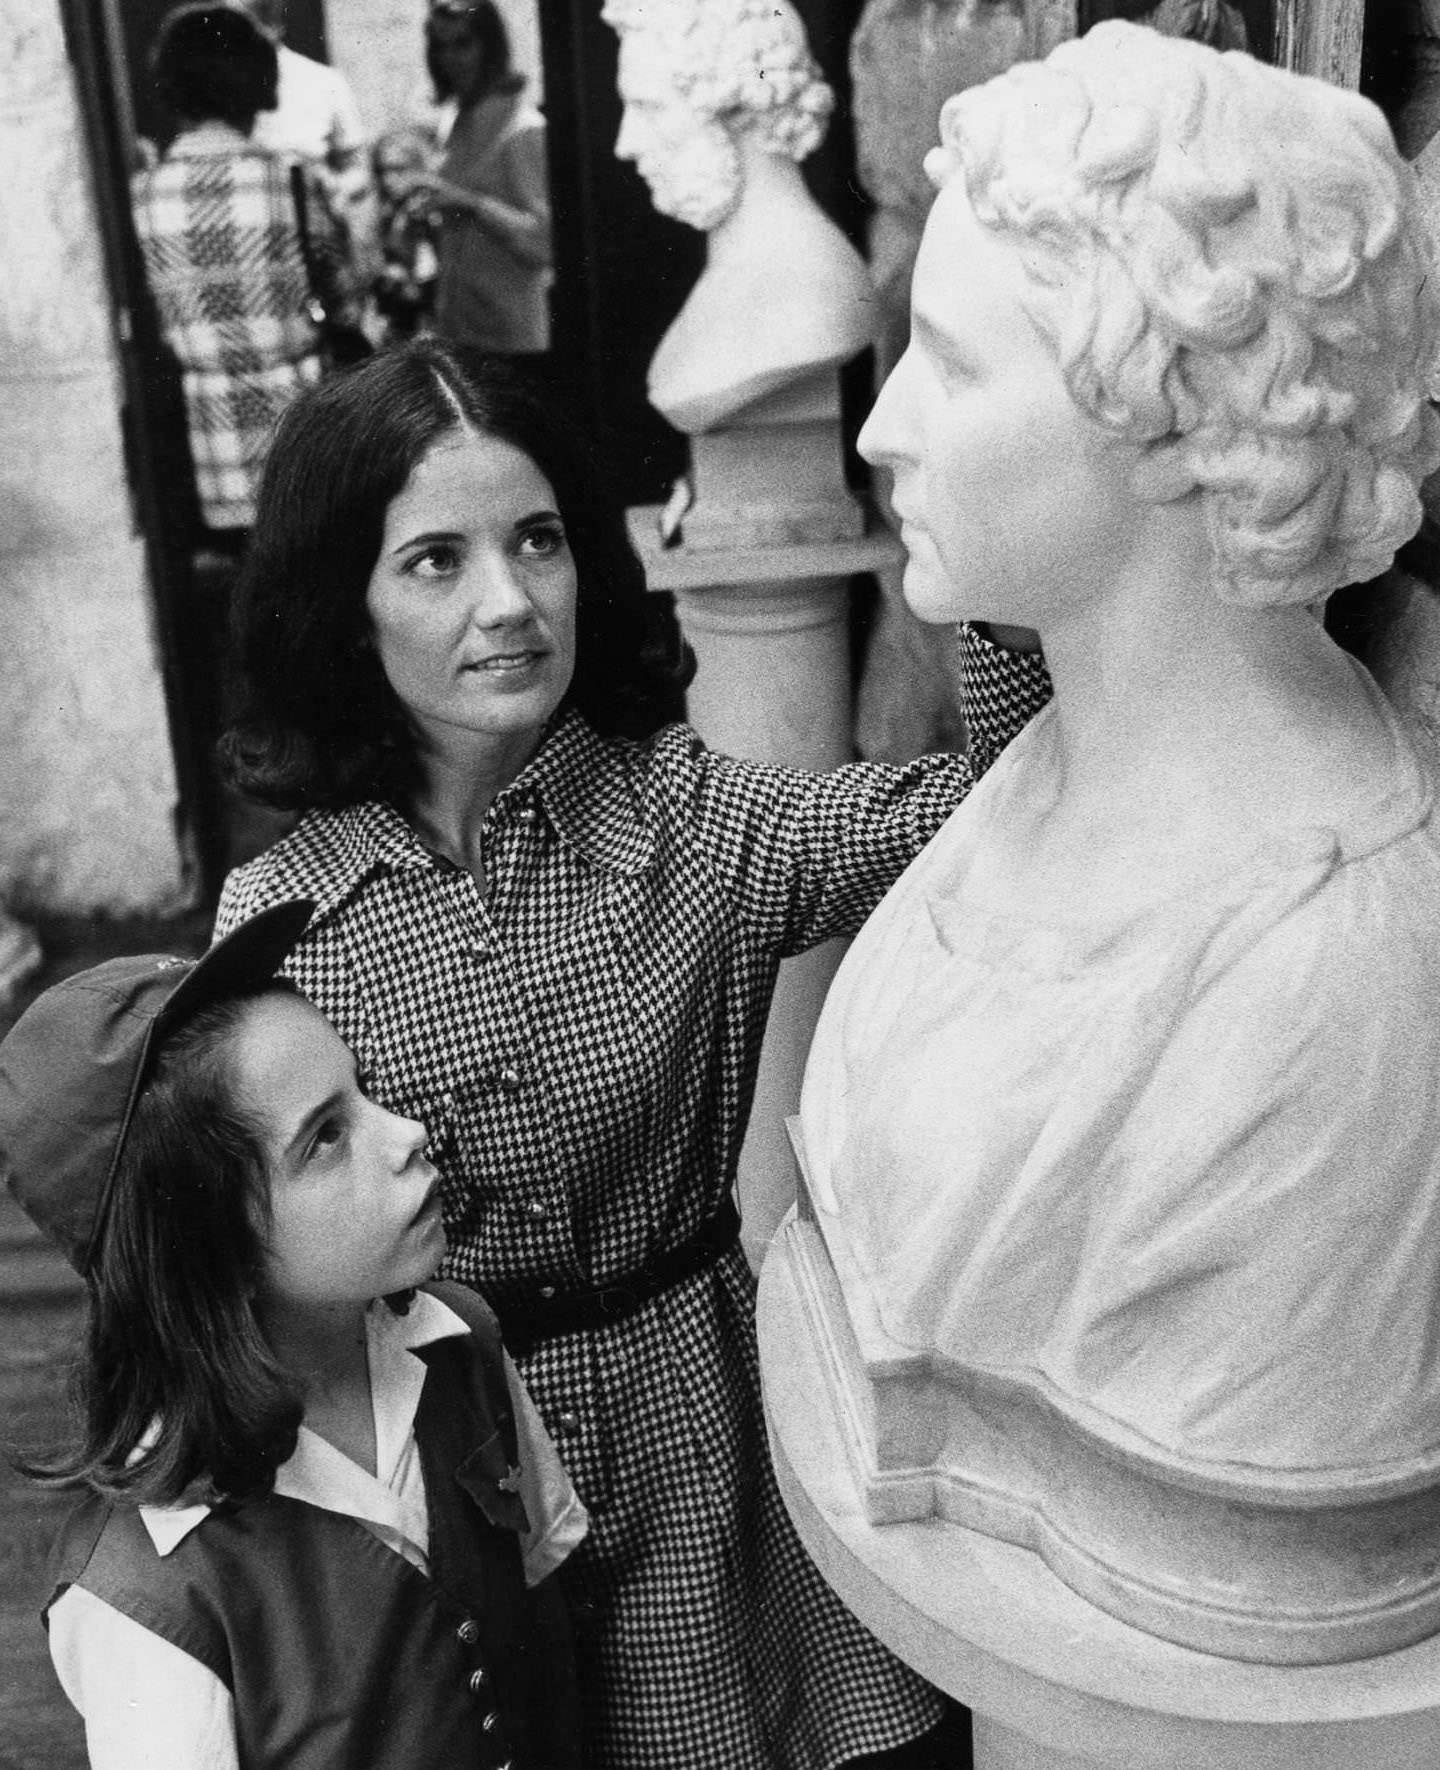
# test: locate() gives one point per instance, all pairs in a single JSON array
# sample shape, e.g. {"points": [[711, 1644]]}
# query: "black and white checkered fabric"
{"points": [[583, 1048], [216, 222]]}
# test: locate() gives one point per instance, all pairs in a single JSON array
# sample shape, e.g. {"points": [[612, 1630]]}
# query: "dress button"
{"points": [[469, 1634], [479, 1679], [490, 1723], [567, 1423], [510, 1078], [535, 1208]]}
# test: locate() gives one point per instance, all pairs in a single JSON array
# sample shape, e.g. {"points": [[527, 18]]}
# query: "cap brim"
{"points": [[248, 955]]}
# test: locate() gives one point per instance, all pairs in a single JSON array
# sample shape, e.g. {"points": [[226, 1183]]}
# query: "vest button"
{"points": [[469, 1634], [491, 1722], [510, 1079], [479, 1679], [567, 1423]]}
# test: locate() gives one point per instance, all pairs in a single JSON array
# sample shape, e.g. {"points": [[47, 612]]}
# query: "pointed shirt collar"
{"points": [[577, 779], [319, 1474]]}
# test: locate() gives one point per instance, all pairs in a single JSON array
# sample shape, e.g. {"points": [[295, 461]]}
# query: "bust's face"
{"points": [[1015, 505], [687, 159]]}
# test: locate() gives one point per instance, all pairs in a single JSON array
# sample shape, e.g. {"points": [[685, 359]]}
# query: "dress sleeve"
{"points": [[146, 1704], [558, 1520], [805, 856], [1003, 691]]}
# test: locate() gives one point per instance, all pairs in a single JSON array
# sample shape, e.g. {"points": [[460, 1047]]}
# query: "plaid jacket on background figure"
{"points": [[581, 1042], [216, 221]]}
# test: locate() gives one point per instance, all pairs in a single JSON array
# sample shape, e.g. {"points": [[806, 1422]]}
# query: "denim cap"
{"points": [[73, 1066]]}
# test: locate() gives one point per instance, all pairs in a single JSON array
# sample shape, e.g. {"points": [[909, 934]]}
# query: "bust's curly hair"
{"points": [[1230, 263], [741, 60]]}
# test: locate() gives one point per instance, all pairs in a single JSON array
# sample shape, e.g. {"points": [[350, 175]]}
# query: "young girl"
{"points": [[321, 1505]]}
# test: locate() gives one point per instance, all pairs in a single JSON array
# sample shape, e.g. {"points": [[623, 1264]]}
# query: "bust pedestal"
{"points": [[1055, 1683], [775, 475], [768, 620]]}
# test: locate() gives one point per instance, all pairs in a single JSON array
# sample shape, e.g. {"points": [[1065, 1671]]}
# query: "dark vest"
{"points": [[336, 1650]]}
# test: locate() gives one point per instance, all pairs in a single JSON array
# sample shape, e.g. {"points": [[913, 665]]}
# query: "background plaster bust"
{"points": [[1124, 1099], [722, 102]]}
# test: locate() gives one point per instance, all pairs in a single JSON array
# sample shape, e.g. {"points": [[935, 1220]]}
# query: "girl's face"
{"points": [[472, 600], [354, 1203]]}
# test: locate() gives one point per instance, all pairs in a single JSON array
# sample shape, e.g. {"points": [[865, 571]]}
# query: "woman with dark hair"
{"points": [[492, 189], [549, 922], [223, 260]]}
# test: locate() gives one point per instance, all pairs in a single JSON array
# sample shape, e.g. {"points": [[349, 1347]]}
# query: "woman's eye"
{"points": [[435, 562], [543, 541]]}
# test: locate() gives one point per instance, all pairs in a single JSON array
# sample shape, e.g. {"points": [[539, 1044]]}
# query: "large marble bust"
{"points": [[1122, 1120], [722, 102]]}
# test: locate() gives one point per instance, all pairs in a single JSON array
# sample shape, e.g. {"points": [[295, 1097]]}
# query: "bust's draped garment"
{"points": [[1178, 1176]]}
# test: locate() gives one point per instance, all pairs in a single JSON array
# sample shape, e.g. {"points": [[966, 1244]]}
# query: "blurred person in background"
{"points": [[216, 222], [317, 122], [491, 189]]}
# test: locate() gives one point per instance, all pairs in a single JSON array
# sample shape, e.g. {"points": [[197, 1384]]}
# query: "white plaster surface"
{"points": [[1058, 1677], [87, 785]]}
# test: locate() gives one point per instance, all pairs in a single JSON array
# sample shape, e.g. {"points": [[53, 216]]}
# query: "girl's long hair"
{"points": [[178, 1394]]}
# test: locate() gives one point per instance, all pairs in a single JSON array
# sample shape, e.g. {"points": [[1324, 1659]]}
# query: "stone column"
{"points": [[88, 794], [1321, 37], [769, 628]]}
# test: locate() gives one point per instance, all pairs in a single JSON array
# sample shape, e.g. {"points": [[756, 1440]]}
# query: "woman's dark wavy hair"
{"points": [[320, 724], [171, 1331], [487, 27], [213, 63]]}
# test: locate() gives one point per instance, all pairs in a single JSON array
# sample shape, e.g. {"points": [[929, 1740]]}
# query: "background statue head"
{"points": [[698, 77], [1229, 264]]}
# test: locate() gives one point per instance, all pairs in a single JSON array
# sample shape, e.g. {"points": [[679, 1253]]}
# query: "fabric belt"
{"points": [[524, 1324]]}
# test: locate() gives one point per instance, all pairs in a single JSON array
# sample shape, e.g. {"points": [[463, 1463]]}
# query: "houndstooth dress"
{"points": [[582, 1045]]}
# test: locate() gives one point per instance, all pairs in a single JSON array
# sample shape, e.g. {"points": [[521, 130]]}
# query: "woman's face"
{"points": [[472, 599], [1014, 504], [458, 55]]}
